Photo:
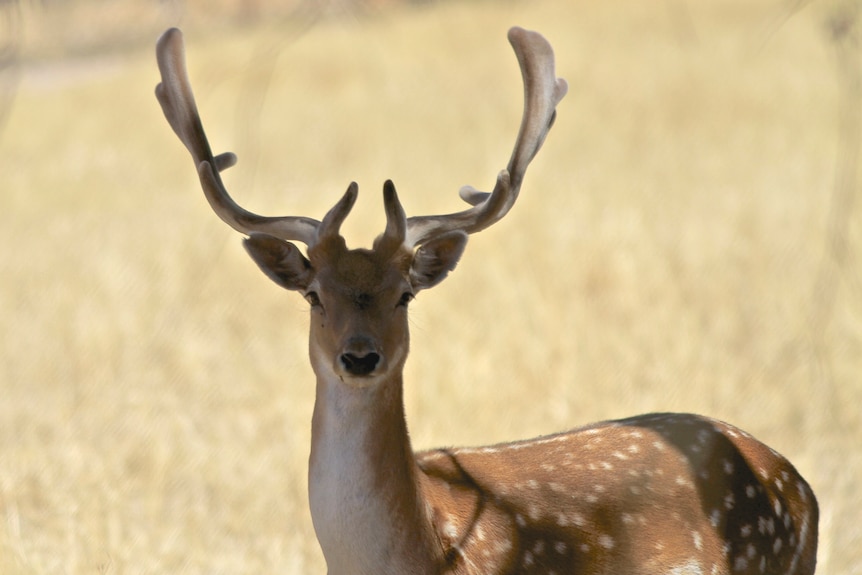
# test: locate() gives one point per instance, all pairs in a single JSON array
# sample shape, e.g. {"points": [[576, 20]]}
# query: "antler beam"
{"points": [[175, 95], [542, 92]]}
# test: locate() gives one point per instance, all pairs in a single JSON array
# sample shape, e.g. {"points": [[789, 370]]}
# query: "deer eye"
{"points": [[406, 298], [313, 299]]}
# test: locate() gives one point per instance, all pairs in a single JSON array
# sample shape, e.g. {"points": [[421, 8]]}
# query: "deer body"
{"points": [[669, 494]]}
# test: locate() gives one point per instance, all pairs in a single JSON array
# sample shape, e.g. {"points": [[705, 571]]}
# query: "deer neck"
{"points": [[364, 492]]}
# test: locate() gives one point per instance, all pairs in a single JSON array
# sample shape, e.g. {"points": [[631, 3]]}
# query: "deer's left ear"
{"points": [[436, 258]]}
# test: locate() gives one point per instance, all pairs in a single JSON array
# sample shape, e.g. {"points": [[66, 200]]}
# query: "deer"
{"points": [[658, 493]]}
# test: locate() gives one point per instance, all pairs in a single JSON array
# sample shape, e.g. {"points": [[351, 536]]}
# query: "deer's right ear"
{"points": [[281, 261]]}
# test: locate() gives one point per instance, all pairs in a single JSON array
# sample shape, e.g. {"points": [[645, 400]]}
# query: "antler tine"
{"points": [[542, 92], [175, 95]]}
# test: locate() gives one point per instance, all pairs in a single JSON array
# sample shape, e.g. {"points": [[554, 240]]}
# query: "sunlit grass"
{"points": [[665, 254]]}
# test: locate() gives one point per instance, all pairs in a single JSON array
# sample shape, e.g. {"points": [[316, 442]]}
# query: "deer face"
{"points": [[358, 297], [359, 311]]}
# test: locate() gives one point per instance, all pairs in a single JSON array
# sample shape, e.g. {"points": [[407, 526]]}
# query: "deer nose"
{"points": [[360, 357]]}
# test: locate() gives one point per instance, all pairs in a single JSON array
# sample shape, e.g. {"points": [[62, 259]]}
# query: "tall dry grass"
{"points": [[688, 239]]}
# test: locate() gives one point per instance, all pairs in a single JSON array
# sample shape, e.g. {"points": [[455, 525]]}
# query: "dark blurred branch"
{"points": [[10, 52], [844, 34]]}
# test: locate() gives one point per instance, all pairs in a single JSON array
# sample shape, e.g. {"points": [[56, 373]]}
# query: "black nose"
{"points": [[360, 364]]}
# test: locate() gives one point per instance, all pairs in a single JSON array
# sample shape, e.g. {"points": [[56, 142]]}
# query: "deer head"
{"points": [[359, 297]]}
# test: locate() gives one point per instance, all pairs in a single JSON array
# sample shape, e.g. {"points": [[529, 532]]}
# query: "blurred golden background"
{"points": [[688, 239]]}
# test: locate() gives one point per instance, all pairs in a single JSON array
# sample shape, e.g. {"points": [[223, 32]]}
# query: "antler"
{"points": [[542, 92], [178, 104]]}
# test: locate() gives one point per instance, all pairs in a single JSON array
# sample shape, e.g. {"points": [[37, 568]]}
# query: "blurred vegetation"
{"points": [[689, 239], [59, 28]]}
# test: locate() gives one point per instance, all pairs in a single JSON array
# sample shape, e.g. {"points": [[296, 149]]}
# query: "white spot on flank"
{"points": [[578, 519], [658, 445], [776, 547], [728, 466], [714, 517], [528, 559], [751, 551], [745, 531], [560, 547], [683, 481], [750, 491], [729, 501], [777, 507], [740, 564], [698, 540], [606, 541], [539, 547], [691, 567], [449, 530]]}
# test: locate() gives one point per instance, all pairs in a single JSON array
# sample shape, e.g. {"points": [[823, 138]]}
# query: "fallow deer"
{"points": [[654, 494]]}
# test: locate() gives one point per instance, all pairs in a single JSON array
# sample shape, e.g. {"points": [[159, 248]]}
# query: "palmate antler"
{"points": [[542, 92]]}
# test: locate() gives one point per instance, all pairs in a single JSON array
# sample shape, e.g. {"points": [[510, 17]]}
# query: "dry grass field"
{"points": [[689, 239]]}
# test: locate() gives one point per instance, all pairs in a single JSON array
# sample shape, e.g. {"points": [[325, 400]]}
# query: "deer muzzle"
{"points": [[360, 357]]}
